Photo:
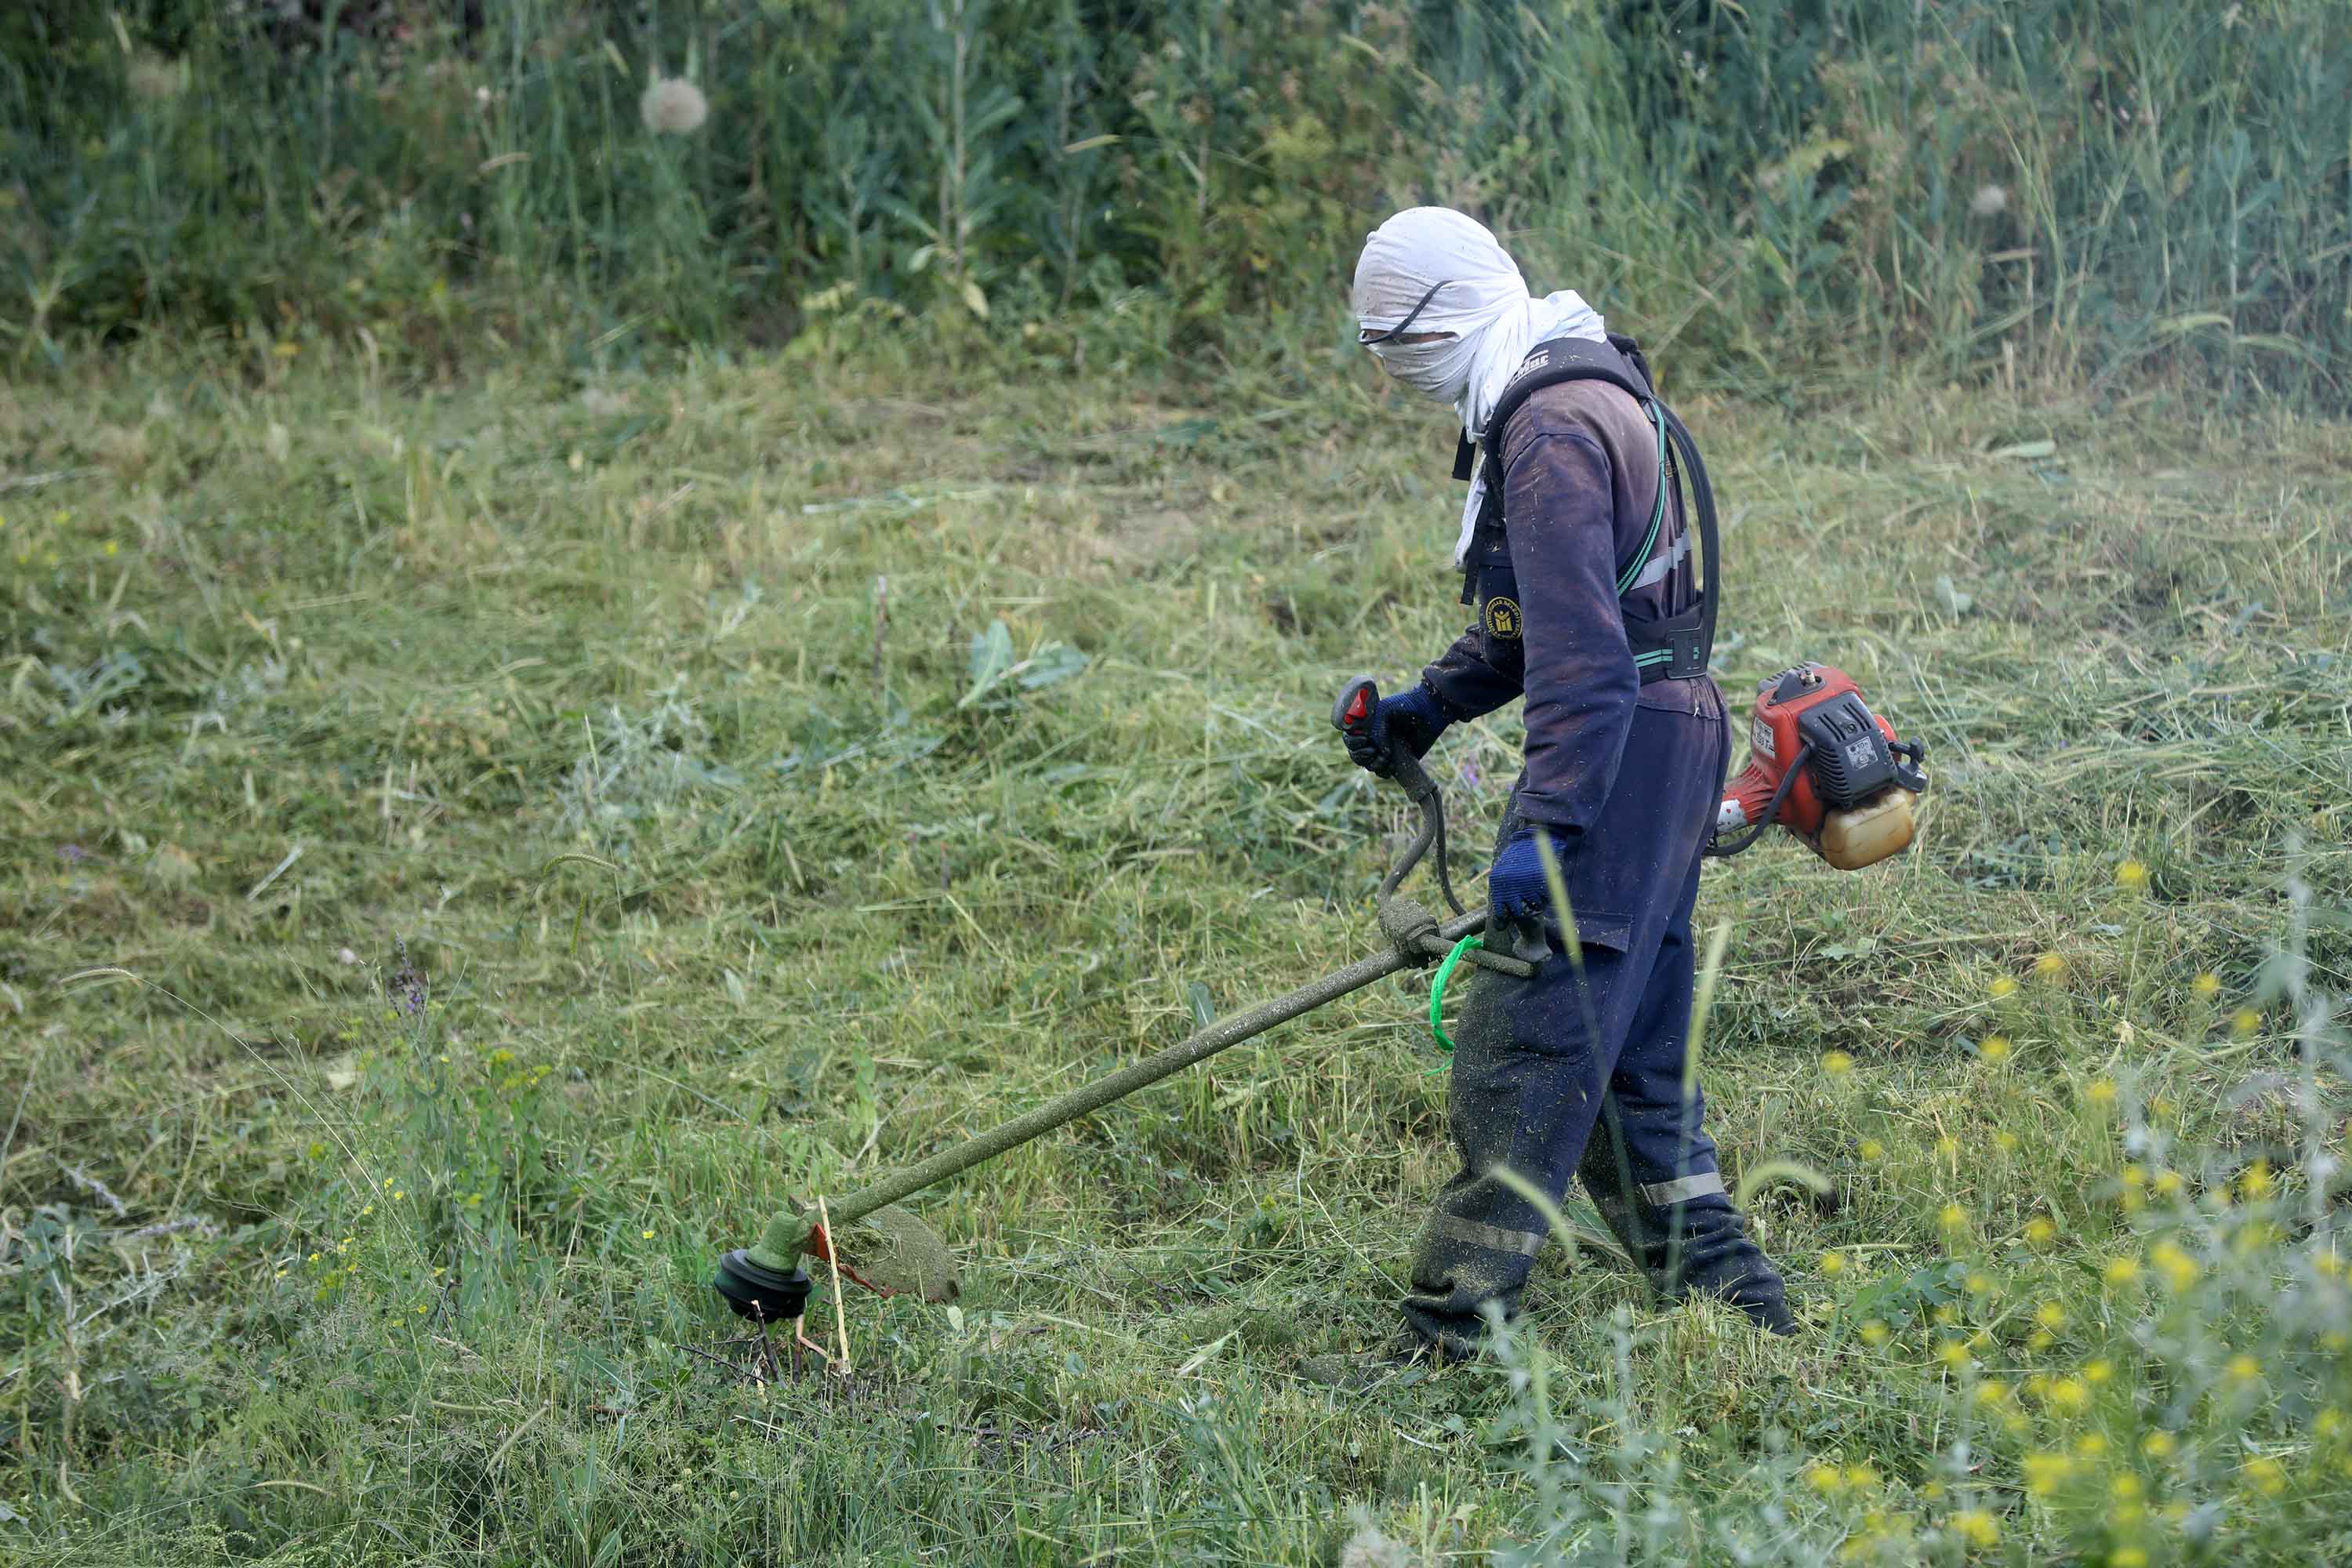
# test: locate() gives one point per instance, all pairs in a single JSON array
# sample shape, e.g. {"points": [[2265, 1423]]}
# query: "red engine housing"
{"points": [[1774, 741]]}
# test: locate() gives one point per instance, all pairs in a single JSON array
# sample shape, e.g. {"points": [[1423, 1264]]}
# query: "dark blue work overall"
{"points": [[1582, 1070]]}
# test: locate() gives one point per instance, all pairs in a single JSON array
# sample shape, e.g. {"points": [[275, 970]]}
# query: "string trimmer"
{"points": [[876, 1243]]}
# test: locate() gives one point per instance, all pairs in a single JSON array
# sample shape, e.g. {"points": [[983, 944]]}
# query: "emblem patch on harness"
{"points": [[1503, 619]]}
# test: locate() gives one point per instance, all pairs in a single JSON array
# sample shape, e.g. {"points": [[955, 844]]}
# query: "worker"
{"points": [[1575, 555]]}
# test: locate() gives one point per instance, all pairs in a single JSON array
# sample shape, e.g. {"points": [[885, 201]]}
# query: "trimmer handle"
{"points": [[1351, 710], [1351, 714]]}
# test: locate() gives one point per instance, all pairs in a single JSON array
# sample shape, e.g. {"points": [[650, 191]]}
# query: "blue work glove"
{"points": [[1516, 888], [1411, 719]]}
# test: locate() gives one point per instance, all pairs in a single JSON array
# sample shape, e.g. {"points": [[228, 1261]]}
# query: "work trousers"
{"points": [[1582, 1072]]}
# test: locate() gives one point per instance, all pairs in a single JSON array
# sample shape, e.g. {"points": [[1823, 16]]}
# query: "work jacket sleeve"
{"points": [[1468, 685], [1580, 678]]}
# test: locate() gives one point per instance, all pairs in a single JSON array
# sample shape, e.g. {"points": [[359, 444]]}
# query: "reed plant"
{"points": [[2050, 192]]}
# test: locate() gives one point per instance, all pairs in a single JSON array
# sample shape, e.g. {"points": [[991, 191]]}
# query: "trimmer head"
{"points": [[761, 1294]]}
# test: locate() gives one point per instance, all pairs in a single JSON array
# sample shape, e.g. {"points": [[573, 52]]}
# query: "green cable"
{"points": [[1437, 989]]}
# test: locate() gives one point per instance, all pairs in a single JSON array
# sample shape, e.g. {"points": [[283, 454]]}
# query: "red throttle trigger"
{"points": [[1353, 709]]}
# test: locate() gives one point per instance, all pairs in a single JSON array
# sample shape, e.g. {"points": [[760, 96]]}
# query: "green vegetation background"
{"points": [[2050, 188]]}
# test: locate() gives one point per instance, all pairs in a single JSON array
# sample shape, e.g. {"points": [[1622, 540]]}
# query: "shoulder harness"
{"points": [[1673, 647]]}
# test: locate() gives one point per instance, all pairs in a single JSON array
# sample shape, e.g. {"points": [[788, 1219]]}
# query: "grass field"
{"points": [[471, 855]]}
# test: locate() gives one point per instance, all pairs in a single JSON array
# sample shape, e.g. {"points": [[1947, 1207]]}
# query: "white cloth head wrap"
{"points": [[1485, 304]]}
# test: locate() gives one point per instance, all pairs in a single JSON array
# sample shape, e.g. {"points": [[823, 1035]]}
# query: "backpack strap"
{"points": [[1674, 647]]}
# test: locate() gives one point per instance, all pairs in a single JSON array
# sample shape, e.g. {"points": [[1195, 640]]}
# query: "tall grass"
{"points": [[2055, 190]]}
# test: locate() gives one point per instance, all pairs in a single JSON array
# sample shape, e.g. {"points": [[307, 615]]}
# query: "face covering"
{"points": [[1483, 303]]}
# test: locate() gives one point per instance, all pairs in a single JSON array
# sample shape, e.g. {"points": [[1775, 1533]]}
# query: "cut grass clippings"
{"points": [[516, 838]]}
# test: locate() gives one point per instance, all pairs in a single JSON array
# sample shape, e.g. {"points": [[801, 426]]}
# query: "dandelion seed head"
{"points": [[673, 106]]}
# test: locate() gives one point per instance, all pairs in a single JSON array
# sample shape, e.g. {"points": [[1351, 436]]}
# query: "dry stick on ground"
{"points": [[833, 1256]]}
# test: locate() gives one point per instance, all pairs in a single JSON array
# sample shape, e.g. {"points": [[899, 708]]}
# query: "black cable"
{"points": [[1721, 850]]}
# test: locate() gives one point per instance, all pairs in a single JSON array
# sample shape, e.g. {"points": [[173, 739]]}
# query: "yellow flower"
{"points": [[1874, 1333], [2328, 1422], [2049, 967], [2005, 1140], [1995, 1048], [1837, 1064], [1979, 1284], [1992, 1393], [1832, 1263], [2089, 1445], [1871, 1149], [2041, 1231], [644, 1236], [2243, 1368], [2101, 1091], [2070, 1396], [1946, 1315], [1933, 1492], [2002, 986], [2327, 1266], [2125, 1486], [1823, 1478], [2098, 1372], [2208, 985], [317, 1150], [1976, 1527], [2131, 874], [2045, 1472], [2268, 1476], [2179, 1270], [2246, 1021], [1952, 1216], [2051, 1315], [2256, 1183], [2168, 1184], [1953, 1354], [109, 549], [2127, 1557], [2158, 1445], [2040, 1339], [1948, 1147], [1861, 1478]]}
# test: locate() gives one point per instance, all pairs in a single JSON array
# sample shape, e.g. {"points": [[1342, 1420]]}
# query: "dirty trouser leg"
{"points": [[1527, 1081], [1533, 1057], [1652, 1169]]}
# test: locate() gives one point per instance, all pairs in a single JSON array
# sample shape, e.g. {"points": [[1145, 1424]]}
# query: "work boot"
{"points": [[1701, 1249]]}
